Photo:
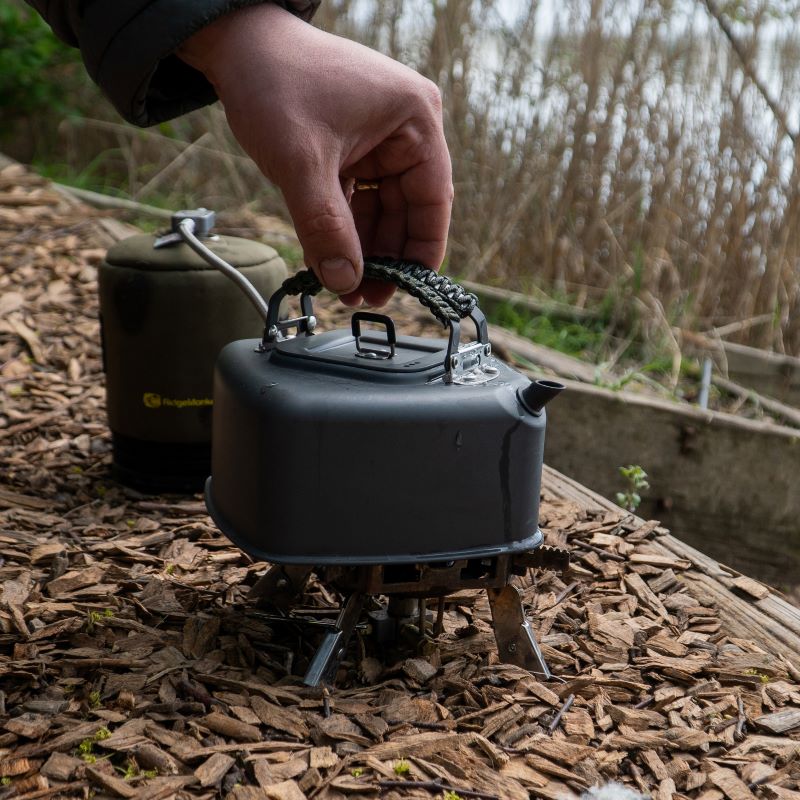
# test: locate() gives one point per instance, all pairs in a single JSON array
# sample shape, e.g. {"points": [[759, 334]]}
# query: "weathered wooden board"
{"points": [[726, 485], [771, 374]]}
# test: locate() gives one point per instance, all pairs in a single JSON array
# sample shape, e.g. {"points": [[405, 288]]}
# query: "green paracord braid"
{"points": [[446, 300]]}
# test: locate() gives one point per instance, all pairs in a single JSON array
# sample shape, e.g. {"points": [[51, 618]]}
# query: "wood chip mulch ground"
{"points": [[132, 665]]}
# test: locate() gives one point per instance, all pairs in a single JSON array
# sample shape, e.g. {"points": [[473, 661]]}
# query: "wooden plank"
{"points": [[771, 622], [772, 374], [560, 363], [787, 413], [99, 200]]}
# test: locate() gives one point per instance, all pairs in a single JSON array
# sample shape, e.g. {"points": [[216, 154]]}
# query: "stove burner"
{"points": [[282, 585]]}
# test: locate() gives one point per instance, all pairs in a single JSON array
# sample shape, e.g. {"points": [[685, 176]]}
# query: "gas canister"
{"points": [[165, 315]]}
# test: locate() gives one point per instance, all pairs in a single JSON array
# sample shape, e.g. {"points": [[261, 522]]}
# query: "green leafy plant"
{"points": [[579, 339], [357, 772], [635, 483], [93, 617], [450, 795], [130, 772], [33, 63]]}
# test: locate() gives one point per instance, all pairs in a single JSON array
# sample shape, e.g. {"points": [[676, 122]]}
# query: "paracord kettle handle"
{"points": [[446, 300]]}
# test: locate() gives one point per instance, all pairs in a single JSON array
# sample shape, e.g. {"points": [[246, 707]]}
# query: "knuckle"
{"points": [[424, 96], [432, 94], [324, 220]]}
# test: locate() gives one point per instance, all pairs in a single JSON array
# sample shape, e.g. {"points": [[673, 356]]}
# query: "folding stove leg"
{"points": [[325, 663], [280, 585], [516, 643]]}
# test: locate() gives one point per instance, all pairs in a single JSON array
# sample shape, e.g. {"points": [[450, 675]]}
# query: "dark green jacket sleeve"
{"points": [[128, 48]]}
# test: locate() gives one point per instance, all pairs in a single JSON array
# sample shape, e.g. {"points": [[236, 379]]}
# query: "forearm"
{"points": [[129, 48]]}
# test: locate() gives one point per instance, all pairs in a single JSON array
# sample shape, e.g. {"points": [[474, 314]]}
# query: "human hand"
{"points": [[315, 112]]}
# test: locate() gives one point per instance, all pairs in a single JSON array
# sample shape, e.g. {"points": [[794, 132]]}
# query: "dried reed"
{"points": [[630, 151], [617, 151]]}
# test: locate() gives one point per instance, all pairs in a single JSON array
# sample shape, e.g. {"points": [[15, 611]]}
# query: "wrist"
{"points": [[222, 43]]}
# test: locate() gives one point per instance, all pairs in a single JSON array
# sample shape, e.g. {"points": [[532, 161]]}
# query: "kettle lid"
{"points": [[366, 352]]}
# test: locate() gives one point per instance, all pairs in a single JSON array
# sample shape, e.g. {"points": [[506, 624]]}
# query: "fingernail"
{"points": [[338, 274]]}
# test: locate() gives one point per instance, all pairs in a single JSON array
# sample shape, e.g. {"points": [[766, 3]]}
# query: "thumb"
{"points": [[325, 227]]}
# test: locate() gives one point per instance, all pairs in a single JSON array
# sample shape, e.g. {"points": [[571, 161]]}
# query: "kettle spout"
{"points": [[537, 394]]}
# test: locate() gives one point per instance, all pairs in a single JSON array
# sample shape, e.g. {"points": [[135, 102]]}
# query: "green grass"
{"points": [[633, 359], [582, 340]]}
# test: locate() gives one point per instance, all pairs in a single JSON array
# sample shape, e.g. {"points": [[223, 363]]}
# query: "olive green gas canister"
{"points": [[165, 315]]}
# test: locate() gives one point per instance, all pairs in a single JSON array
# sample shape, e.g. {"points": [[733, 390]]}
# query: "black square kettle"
{"points": [[361, 446]]}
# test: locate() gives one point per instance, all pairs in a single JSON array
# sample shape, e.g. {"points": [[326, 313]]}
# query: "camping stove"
{"points": [[408, 588], [389, 465]]}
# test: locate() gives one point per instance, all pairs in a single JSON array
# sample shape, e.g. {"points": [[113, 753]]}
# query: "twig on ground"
{"points": [[551, 728]]}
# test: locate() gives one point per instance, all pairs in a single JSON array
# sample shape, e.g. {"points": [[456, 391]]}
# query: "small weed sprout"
{"points": [[402, 767], [132, 771], [450, 795], [357, 772], [635, 483], [94, 700], [91, 618], [5, 781], [85, 749]]}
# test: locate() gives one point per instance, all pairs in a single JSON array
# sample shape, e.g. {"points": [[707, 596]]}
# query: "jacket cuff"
{"points": [[131, 52]]}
